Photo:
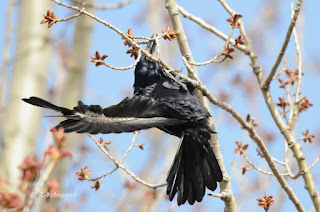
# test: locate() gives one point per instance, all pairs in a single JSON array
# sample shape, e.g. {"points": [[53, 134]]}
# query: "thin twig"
{"points": [[68, 18], [190, 69], [287, 89], [278, 161], [315, 162], [282, 70], [220, 195], [299, 62], [135, 177], [42, 179], [123, 68], [130, 41], [284, 46], [301, 138], [207, 26], [253, 134], [146, 38], [242, 121], [248, 127], [136, 133], [310, 167], [289, 138], [104, 175], [225, 185], [215, 58], [257, 168]]}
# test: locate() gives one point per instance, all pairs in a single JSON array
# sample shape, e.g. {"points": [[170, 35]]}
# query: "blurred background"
{"points": [[54, 64]]}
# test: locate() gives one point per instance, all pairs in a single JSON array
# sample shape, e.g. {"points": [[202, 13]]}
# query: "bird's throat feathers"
{"points": [[147, 73]]}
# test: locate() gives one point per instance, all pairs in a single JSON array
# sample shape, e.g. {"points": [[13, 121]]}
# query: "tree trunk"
{"points": [[72, 91], [29, 78]]}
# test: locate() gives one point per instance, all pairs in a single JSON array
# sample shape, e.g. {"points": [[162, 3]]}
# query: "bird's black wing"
{"points": [[131, 114], [181, 104]]}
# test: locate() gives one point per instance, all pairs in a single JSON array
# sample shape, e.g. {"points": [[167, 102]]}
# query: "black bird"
{"points": [[159, 102]]}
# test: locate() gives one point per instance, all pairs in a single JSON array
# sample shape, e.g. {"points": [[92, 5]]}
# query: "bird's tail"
{"points": [[194, 168]]}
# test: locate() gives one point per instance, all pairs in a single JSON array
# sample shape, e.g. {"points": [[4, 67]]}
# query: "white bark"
{"points": [[20, 121], [72, 92]]}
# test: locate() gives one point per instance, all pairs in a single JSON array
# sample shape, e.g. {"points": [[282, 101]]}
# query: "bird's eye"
{"points": [[151, 66]]}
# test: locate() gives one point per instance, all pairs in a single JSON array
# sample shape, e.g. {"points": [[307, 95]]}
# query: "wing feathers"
{"points": [[130, 114]]}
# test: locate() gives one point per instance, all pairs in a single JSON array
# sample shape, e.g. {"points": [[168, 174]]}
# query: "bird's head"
{"points": [[148, 72]]}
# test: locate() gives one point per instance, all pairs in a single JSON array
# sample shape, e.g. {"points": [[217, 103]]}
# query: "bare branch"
{"points": [[136, 133], [222, 195], [287, 89], [268, 80], [257, 70], [190, 69], [213, 60], [69, 18], [44, 175], [310, 167], [315, 162], [118, 164], [130, 41], [298, 154], [255, 137], [123, 68], [287, 175], [121, 161], [278, 161], [254, 166], [212, 29], [295, 113], [242, 121], [282, 70], [225, 186]]}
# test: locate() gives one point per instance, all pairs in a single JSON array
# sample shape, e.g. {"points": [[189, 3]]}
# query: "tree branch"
{"points": [[118, 164], [257, 70], [225, 186], [44, 175], [294, 115], [208, 27], [295, 148], [273, 71], [255, 137]]}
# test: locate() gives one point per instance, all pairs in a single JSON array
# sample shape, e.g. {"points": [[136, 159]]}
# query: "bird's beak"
{"points": [[151, 47]]}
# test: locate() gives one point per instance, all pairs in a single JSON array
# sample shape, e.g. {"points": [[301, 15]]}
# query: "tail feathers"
{"points": [[42, 103], [131, 114], [194, 168]]}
